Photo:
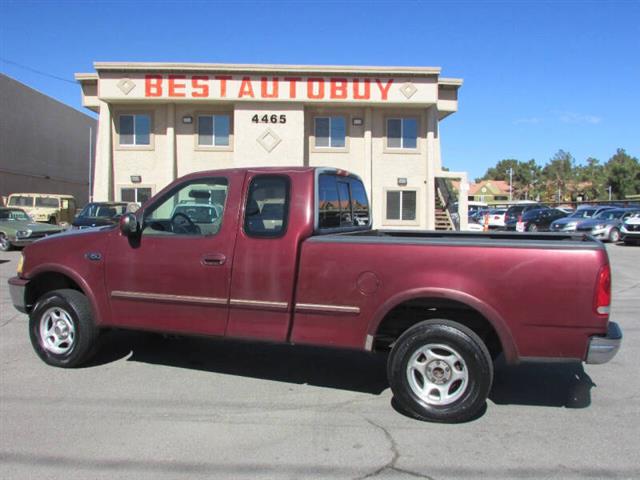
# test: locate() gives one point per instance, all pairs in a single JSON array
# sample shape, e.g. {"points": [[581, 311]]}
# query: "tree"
{"points": [[593, 179], [623, 175], [559, 174], [525, 176]]}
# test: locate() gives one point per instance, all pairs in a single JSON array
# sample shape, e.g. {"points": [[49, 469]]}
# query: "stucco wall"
{"points": [[44, 144]]}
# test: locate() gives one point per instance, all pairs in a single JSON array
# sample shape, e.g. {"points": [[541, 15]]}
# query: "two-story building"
{"points": [[158, 121]]}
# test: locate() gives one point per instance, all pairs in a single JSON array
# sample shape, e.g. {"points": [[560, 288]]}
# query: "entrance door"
{"points": [[176, 276]]}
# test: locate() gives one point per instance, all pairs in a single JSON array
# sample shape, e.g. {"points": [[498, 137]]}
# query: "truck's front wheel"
{"points": [[440, 371], [61, 328]]}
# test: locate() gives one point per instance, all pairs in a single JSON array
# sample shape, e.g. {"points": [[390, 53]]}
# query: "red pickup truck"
{"points": [[288, 255]]}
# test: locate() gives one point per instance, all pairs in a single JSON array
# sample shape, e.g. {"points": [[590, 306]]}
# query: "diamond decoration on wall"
{"points": [[126, 85], [269, 140], [408, 90]]}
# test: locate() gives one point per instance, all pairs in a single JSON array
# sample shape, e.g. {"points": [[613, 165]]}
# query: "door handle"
{"points": [[213, 259]]}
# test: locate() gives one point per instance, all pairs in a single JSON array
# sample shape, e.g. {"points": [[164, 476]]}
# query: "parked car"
{"points": [[45, 207], [18, 229], [314, 277], [570, 222], [606, 225], [497, 217], [630, 229], [99, 214], [537, 220], [515, 211]]}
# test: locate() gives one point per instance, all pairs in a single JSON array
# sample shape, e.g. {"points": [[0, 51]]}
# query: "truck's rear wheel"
{"points": [[440, 371], [61, 328]]}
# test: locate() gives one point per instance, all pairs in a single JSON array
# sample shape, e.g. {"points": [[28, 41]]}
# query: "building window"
{"points": [[137, 195], [401, 205], [135, 129], [402, 133], [330, 132], [213, 130]]}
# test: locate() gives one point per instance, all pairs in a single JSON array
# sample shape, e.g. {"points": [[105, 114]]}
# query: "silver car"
{"points": [[606, 225], [631, 229], [571, 222]]}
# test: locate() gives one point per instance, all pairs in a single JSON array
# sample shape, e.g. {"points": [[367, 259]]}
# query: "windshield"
{"points": [[21, 201], [583, 213], [100, 210], [14, 215]]}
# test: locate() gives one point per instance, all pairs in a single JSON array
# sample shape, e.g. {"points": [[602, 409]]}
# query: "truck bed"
{"points": [[466, 239]]}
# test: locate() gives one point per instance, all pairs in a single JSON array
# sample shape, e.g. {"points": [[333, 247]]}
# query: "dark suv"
{"points": [[514, 211]]}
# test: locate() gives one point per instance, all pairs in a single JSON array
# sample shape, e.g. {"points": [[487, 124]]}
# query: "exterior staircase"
{"points": [[443, 208]]}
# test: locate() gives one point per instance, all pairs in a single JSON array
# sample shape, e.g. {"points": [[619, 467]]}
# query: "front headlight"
{"points": [[23, 233], [20, 264]]}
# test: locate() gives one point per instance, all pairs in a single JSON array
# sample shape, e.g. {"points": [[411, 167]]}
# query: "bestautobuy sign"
{"points": [[194, 87]]}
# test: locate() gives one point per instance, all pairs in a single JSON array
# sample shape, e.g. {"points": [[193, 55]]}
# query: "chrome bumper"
{"points": [[603, 349], [17, 289]]}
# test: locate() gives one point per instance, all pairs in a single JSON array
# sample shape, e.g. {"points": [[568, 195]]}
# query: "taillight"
{"points": [[603, 291]]}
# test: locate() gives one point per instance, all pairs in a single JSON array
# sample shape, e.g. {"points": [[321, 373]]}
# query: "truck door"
{"points": [[176, 277], [265, 262]]}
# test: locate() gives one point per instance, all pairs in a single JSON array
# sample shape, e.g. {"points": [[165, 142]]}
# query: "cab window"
{"points": [[342, 202], [194, 209], [267, 207]]}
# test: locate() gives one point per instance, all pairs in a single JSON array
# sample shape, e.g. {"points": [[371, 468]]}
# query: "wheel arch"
{"points": [[50, 277], [469, 311]]}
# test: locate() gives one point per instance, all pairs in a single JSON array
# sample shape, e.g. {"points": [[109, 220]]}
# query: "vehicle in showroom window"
{"points": [[288, 261]]}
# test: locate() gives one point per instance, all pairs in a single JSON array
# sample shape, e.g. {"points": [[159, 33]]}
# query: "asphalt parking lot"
{"points": [[156, 408]]}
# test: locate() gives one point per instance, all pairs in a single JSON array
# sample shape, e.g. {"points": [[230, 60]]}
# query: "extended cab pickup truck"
{"points": [[288, 255]]}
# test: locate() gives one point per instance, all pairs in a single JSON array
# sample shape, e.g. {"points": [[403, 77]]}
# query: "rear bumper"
{"points": [[603, 349], [17, 289]]}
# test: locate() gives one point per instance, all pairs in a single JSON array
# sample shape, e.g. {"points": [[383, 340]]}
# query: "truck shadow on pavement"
{"points": [[331, 368], [537, 384], [542, 384]]}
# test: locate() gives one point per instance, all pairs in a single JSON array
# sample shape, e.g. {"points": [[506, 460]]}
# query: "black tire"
{"points": [[476, 361], [73, 308], [532, 227], [5, 244], [614, 235], [53, 221]]}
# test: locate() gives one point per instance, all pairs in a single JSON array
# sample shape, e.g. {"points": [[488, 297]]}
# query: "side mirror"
{"points": [[129, 225]]}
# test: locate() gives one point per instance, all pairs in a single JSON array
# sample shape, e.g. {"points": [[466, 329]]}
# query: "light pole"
{"points": [[609, 192], [510, 184]]}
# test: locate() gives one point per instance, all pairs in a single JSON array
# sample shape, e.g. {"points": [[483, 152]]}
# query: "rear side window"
{"points": [[267, 208], [342, 202], [47, 202]]}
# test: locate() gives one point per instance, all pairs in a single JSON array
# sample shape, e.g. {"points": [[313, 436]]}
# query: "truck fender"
{"points": [[73, 275], [487, 311]]}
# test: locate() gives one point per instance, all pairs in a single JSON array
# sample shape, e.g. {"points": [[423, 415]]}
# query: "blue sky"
{"points": [[539, 75]]}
